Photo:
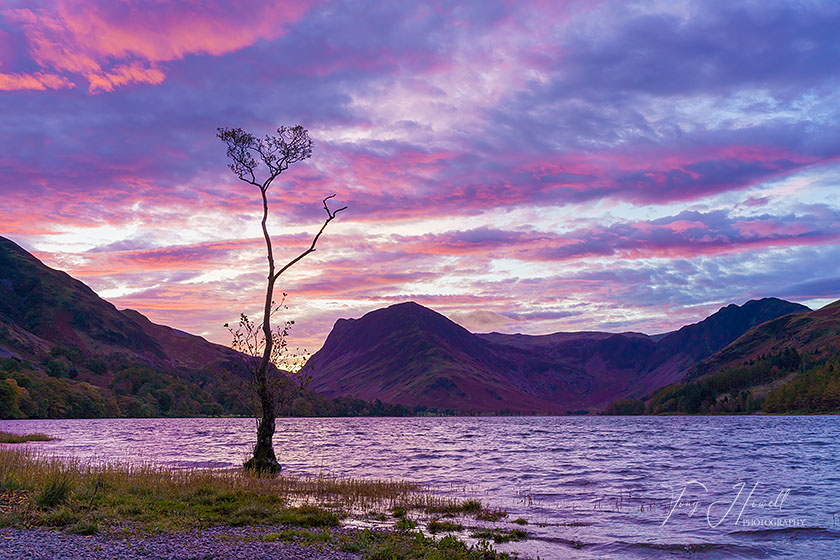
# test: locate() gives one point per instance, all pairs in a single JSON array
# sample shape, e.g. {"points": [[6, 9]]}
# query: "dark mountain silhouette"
{"points": [[69, 352], [50, 305], [411, 355], [703, 339], [811, 333], [787, 364]]}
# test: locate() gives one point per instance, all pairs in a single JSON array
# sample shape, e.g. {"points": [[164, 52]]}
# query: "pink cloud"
{"points": [[113, 45], [376, 270], [773, 229], [392, 181], [34, 81]]}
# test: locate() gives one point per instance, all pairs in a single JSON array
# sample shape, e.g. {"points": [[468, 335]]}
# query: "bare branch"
{"points": [[330, 217]]}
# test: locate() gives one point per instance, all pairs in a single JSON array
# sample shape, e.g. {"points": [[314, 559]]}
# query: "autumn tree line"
{"points": [[52, 388], [777, 382]]}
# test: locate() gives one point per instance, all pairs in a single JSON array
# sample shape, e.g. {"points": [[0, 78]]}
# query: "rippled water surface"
{"points": [[600, 487]]}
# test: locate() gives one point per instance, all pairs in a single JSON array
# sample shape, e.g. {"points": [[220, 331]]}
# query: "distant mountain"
{"points": [[76, 347], [703, 339], [809, 333], [787, 364], [411, 355]]}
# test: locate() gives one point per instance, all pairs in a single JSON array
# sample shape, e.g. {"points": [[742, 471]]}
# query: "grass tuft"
{"points": [[405, 523], [7, 437], [56, 491], [251, 514], [490, 514], [309, 516], [437, 526], [10, 484], [452, 508], [500, 536], [89, 527]]}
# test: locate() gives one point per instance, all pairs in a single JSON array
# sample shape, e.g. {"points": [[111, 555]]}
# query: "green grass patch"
{"points": [[88, 527], [490, 514], [6, 437], [309, 516], [61, 517], [455, 508], [500, 536], [520, 521], [441, 526], [54, 492], [251, 514], [405, 524]]}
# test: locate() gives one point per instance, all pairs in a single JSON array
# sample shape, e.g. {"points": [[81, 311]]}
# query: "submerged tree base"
{"points": [[263, 465]]}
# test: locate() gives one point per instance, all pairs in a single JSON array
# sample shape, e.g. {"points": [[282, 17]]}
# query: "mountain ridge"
{"points": [[415, 356], [788, 364], [405, 354], [91, 360]]}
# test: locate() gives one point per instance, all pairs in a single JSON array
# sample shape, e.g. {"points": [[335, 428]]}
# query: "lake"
{"points": [[590, 487]]}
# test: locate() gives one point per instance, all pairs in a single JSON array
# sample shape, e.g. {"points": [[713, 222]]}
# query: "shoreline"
{"points": [[60, 508]]}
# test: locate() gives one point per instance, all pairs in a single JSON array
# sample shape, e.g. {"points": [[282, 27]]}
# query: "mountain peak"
{"points": [[409, 354]]}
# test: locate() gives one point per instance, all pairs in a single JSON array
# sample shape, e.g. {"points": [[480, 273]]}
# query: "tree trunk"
{"points": [[264, 460]]}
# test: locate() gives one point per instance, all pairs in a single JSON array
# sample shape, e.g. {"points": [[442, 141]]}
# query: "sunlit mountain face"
{"points": [[521, 167]]}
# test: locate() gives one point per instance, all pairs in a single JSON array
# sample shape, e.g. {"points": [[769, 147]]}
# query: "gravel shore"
{"points": [[219, 543]]}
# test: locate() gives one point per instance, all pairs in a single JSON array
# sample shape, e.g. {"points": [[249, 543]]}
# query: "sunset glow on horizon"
{"points": [[521, 167]]}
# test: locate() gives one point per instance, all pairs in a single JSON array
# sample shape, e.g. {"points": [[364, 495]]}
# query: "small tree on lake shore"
{"points": [[276, 152]]}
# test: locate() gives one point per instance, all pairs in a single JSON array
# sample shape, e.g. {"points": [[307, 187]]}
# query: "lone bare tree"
{"points": [[276, 152]]}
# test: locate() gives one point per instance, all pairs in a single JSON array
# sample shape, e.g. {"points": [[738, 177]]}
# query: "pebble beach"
{"points": [[219, 543]]}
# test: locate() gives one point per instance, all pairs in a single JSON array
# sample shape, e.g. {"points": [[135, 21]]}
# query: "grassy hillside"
{"points": [[786, 365], [139, 392], [29, 390]]}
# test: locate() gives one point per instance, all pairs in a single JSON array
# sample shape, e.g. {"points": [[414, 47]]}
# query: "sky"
{"points": [[529, 166]]}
